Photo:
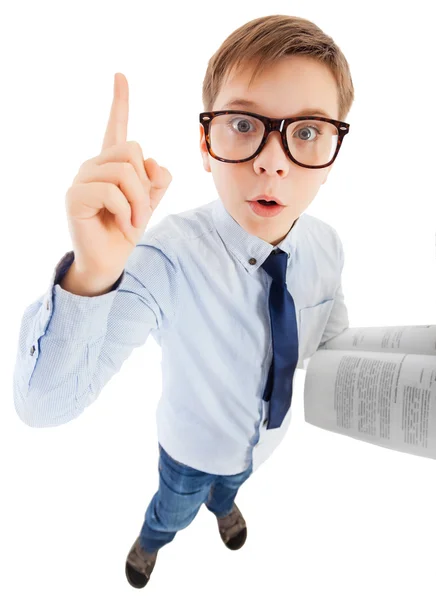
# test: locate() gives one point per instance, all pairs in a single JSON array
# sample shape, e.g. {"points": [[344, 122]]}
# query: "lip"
{"points": [[266, 211], [265, 197]]}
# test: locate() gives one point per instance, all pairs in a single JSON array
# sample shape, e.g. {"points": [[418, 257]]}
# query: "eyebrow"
{"points": [[249, 104]]}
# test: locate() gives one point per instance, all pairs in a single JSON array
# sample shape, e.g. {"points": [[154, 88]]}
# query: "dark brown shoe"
{"points": [[233, 529], [139, 565]]}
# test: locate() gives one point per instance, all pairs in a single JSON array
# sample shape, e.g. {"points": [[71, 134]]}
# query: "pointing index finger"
{"points": [[116, 130]]}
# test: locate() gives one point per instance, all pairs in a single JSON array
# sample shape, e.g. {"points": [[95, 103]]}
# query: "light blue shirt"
{"points": [[195, 282]]}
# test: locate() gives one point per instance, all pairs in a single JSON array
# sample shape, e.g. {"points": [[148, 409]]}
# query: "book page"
{"points": [[407, 339], [386, 399]]}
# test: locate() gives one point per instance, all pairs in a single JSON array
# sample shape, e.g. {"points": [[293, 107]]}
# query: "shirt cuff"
{"points": [[69, 316]]}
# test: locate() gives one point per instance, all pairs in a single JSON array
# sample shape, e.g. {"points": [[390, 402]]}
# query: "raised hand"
{"points": [[113, 196]]}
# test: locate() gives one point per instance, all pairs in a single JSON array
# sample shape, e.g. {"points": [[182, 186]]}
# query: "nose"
{"points": [[273, 157]]}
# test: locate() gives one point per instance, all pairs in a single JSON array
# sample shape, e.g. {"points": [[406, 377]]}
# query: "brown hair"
{"points": [[264, 41]]}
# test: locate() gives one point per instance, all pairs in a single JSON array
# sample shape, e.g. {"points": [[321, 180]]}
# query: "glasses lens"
{"points": [[238, 136], [235, 137], [312, 143]]}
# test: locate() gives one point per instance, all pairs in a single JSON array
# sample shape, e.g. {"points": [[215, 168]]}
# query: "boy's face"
{"points": [[296, 83]]}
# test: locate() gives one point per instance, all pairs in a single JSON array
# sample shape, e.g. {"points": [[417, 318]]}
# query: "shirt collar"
{"points": [[250, 250]]}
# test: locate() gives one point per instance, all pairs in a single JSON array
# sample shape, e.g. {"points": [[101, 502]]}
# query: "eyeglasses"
{"points": [[238, 136]]}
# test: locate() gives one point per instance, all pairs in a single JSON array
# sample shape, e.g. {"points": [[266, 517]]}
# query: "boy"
{"points": [[231, 332]]}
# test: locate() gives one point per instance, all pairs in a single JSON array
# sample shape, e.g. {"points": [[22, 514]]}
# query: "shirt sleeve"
{"points": [[70, 346]]}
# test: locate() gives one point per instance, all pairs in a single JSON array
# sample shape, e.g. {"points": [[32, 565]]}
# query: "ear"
{"points": [[203, 149]]}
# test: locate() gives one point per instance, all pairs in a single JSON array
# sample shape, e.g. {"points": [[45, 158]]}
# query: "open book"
{"points": [[378, 385]]}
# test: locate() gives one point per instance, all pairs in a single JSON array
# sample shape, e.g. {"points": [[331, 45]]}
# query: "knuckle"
{"points": [[86, 163], [137, 158], [127, 169], [69, 194], [84, 167], [134, 150], [134, 144]]}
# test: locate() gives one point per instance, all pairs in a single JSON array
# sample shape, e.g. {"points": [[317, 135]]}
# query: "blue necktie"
{"points": [[278, 389]]}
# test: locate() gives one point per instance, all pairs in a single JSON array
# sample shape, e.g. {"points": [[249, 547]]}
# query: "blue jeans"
{"points": [[182, 491]]}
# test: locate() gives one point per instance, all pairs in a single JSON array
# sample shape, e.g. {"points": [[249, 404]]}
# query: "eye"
{"points": [[305, 128], [241, 127]]}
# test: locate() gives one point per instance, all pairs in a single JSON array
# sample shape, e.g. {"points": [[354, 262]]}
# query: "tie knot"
{"points": [[275, 265]]}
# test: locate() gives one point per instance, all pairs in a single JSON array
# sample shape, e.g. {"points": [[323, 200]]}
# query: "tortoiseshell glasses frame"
{"points": [[280, 125]]}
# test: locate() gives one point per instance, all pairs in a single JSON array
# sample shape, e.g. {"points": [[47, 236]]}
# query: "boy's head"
{"points": [[283, 65]]}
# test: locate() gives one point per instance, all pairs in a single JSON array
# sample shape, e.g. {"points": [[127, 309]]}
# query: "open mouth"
{"points": [[266, 208]]}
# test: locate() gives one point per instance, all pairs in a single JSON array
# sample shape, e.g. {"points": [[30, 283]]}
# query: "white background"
{"points": [[327, 516]]}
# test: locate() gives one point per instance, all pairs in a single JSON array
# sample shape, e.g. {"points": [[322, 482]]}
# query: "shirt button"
{"points": [[32, 351], [265, 422], [252, 261]]}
